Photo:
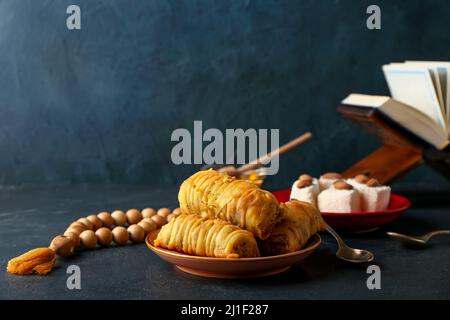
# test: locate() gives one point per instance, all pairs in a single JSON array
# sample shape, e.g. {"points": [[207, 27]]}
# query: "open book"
{"points": [[421, 90], [420, 124]]}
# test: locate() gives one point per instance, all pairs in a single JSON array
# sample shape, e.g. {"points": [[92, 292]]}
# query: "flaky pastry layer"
{"points": [[240, 202], [209, 237], [299, 221]]}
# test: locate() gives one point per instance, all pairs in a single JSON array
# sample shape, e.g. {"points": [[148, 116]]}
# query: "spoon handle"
{"points": [[281, 150], [336, 236], [436, 233], [346, 253]]}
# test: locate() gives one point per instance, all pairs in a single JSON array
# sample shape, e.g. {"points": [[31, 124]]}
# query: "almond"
{"points": [[362, 178], [305, 177], [304, 183], [373, 183], [342, 185]]}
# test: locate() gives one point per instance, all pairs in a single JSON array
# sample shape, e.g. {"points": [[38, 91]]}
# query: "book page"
{"points": [[365, 100], [413, 85], [416, 122], [436, 83], [442, 68]]}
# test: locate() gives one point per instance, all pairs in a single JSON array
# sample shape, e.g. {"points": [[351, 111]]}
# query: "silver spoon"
{"points": [[346, 253], [417, 240]]}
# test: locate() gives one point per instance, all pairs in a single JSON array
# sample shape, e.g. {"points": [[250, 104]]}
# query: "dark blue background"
{"points": [[98, 105]]}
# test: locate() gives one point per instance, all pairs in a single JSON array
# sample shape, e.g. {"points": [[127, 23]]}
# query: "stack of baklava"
{"points": [[225, 217]]}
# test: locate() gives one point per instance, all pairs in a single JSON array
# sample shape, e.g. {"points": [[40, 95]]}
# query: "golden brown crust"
{"points": [[240, 202], [203, 236], [299, 221]]}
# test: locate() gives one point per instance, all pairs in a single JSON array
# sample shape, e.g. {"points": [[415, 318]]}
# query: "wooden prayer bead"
{"points": [[164, 212], [159, 220], [104, 236], [87, 223], [88, 239], [120, 235], [171, 216], [75, 229], [147, 226], [96, 222], [120, 218], [106, 219], [137, 234], [78, 224], [148, 212], [75, 237], [63, 246], [134, 216]]}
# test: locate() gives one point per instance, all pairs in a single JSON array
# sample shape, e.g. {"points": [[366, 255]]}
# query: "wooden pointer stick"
{"points": [[267, 157]]}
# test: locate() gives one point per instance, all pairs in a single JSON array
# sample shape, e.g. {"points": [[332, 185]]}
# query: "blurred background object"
{"points": [[98, 105]]}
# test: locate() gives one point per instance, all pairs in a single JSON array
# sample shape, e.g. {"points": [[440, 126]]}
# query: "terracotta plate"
{"points": [[359, 221], [233, 268]]}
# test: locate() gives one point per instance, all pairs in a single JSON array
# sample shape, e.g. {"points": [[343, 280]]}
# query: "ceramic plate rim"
{"points": [[398, 210]]}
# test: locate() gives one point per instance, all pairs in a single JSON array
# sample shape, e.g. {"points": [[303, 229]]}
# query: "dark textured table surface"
{"points": [[31, 216]]}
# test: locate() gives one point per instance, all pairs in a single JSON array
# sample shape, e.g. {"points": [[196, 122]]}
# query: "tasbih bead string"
{"points": [[104, 228], [99, 230]]}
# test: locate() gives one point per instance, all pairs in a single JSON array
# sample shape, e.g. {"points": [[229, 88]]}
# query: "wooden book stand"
{"points": [[401, 151]]}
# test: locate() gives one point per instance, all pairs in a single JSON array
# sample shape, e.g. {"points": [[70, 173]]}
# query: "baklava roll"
{"points": [[299, 221], [240, 202], [210, 237]]}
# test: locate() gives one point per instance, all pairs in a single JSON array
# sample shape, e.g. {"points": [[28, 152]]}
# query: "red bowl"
{"points": [[359, 221]]}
